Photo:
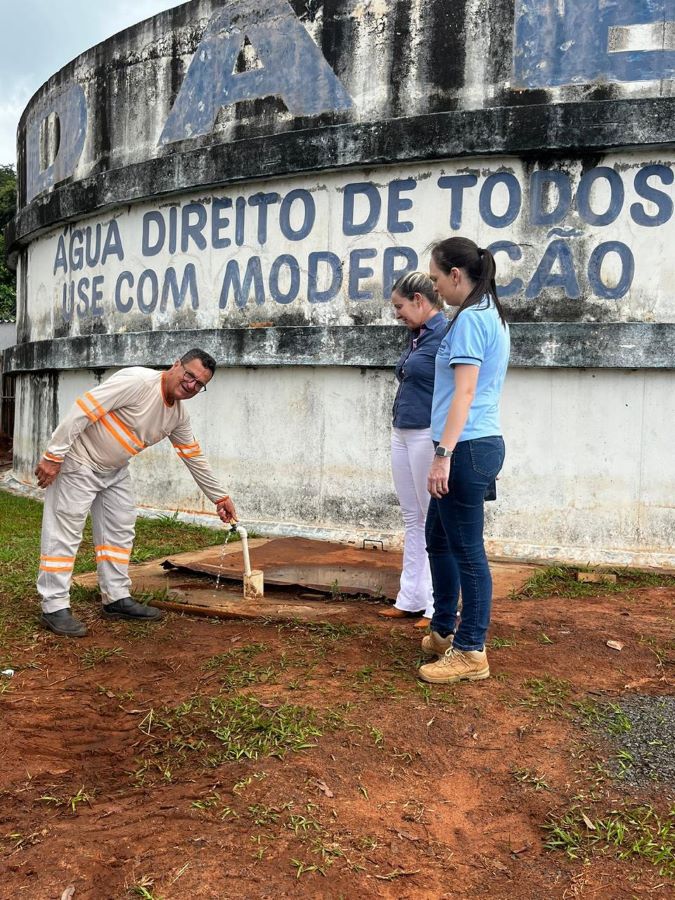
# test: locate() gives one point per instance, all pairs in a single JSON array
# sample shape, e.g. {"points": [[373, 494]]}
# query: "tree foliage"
{"points": [[7, 212]]}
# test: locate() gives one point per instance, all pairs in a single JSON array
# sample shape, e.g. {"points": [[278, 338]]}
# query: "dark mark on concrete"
{"points": [[624, 345]]}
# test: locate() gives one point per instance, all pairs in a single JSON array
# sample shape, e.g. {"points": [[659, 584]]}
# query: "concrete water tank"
{"points": [[250, 177]]}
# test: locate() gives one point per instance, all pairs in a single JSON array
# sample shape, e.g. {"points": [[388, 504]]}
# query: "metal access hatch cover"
{"points": [[314, 565]]}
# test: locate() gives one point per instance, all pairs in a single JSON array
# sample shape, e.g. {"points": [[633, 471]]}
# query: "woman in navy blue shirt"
{"points": [[417, 305]]}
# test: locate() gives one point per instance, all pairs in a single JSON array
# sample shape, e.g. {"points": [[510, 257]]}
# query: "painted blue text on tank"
{"points": [[581, 41]]}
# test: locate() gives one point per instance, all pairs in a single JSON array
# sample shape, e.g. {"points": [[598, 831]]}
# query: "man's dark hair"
{"points": [[204, 358]]}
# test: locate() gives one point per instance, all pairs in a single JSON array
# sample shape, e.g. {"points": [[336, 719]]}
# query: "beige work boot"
{"points": [[434, 644], [456, 665]]}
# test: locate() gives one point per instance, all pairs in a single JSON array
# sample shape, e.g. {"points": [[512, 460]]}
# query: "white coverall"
{"points": [[106, 427]]}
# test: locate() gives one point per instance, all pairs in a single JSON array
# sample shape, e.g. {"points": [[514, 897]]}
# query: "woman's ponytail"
{"points": [[478, 263]]}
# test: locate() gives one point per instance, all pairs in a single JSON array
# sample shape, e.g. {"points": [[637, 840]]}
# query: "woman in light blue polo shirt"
{"points": [[470, 367], [417, 305]]}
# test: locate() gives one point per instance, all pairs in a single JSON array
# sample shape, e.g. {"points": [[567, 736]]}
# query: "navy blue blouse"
{"points": [[415, 372]]}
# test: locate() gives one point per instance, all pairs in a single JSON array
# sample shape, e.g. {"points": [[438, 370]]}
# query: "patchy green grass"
{"points": [[547, 692], [662, 650], [330, 631], [500, 643], [214, 730], [624, 833], [606, 716], [226, 659], [166, 535], [20, 526], [70, 803], [531, 778], [94, 656], [561, 581]]}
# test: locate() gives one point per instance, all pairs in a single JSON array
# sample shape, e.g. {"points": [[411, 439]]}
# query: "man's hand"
{"points": [[437, 482], [46, 472], [226, 511]]}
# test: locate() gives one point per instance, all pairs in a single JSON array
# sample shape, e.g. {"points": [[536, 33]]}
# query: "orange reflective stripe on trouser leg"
{"points": [[67, 502]]}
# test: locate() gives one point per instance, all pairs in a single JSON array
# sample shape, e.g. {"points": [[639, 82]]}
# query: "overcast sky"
{"points": [[38, 37]]}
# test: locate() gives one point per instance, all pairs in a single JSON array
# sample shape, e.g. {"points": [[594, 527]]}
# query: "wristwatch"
{"points": [[443, 451]]}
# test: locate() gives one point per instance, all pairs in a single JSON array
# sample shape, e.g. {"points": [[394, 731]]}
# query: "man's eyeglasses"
{"points": [[188, 376]]}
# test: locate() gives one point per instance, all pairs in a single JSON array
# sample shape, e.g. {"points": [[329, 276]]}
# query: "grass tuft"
{"points": [[607, 716], [629, 832], [561, 581], [500, 643], [547, 692], [94, 656], [224, 729]]}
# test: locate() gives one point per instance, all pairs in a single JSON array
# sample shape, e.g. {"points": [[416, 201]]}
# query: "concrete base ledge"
{"points": [[623, 345]]}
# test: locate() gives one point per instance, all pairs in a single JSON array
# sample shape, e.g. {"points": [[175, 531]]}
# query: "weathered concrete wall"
{"points": [[35, 415], [251, 176], [211, 92], [578, 483], [574, 242]]}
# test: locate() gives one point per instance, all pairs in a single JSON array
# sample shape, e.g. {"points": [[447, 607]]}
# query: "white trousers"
{"points": [[76, 491], [412, 452]]}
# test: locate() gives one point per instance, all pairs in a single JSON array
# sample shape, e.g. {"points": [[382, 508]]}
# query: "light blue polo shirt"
{"points": [[476, 338]]}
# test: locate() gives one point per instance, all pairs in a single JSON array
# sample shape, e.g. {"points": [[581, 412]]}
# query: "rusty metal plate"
{"points": [[315, 565]]}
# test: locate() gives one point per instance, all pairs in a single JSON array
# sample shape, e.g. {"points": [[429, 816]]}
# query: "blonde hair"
{"points": [[418, 283]]}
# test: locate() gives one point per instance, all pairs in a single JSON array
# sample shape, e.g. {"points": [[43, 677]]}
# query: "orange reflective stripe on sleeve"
{"points": [[88, 413], [187, 451], [97, 406]]}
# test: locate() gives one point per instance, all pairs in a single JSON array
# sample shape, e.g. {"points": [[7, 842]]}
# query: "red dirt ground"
{"points": [[409, 792]]}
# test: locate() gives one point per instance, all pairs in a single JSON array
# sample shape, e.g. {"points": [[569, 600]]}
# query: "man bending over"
{"points": [[86, 468]]}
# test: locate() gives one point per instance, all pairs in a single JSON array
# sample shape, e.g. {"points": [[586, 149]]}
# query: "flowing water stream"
{"points": [[228, 535]]}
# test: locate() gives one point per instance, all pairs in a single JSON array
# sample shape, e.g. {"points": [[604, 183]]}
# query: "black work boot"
{"points": [[126, 608], [64, 622]]}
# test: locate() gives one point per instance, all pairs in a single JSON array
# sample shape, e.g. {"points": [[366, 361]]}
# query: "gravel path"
{"points": [[650, 740]]}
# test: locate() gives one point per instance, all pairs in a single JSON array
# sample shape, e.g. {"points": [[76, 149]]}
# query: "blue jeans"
{"points": [[454, 535]]}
